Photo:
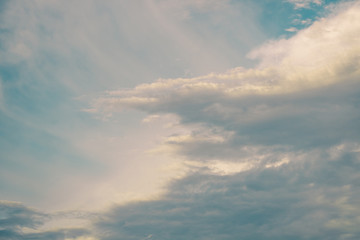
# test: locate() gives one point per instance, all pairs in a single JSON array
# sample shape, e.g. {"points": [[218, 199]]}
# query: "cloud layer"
{"points": [[294, 119], [56, 56], [304, 94], [272, 152], [314, 197]]}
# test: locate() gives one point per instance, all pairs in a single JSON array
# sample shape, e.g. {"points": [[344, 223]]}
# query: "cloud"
{"points": [[273, 151], [56, 57], [15, 216], [290, 117], [314, 197], [275, 148], [304, 94], [292, 29], [62, 234], [305, 3], [20, 222]]}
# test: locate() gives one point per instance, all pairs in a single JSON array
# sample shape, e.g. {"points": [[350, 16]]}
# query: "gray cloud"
{"points": [[315, 197], [58, 234], [15, 218], [305, 120], [294, 117]]}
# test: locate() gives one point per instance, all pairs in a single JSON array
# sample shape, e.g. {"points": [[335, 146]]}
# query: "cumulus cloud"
{"points": [[288, 130], [303, 94]]}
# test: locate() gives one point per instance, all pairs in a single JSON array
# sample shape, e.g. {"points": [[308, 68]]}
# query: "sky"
{"points": [[192, 119]]}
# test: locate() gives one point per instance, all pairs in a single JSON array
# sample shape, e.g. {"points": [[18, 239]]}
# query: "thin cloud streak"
{"points": [[305, 3]]}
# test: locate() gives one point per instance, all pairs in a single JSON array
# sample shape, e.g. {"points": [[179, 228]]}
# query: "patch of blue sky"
{"points": [[38, 105], [282, 19], [20, 138], [273, 16], [33, 160], [3, 5], [303, 17]]}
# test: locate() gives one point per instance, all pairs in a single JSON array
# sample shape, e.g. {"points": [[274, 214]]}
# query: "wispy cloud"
{"points": [[305, 3], [56, 57], [292, 29]]}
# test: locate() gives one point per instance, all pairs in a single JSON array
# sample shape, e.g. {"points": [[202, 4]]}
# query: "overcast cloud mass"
{"points": [[180, 120]]}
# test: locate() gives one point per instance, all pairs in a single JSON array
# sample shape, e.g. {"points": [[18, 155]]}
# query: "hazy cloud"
{"points": [[55, 56]]}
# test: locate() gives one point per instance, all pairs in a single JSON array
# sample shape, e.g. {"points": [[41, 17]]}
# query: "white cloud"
{"points": [[303, 94], [292, 29], [325, 53], [305, 3]]}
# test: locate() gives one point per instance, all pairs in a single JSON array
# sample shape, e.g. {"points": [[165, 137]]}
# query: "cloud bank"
{"points": [[304, 94], [288, 130], [314, 197], [294, 118]]}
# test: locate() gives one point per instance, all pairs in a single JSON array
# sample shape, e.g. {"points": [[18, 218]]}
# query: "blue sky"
{"points": [[163, 119]]}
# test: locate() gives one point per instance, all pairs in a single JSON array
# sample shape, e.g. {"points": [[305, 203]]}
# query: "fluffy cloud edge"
{"points": [[325, 53]]}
